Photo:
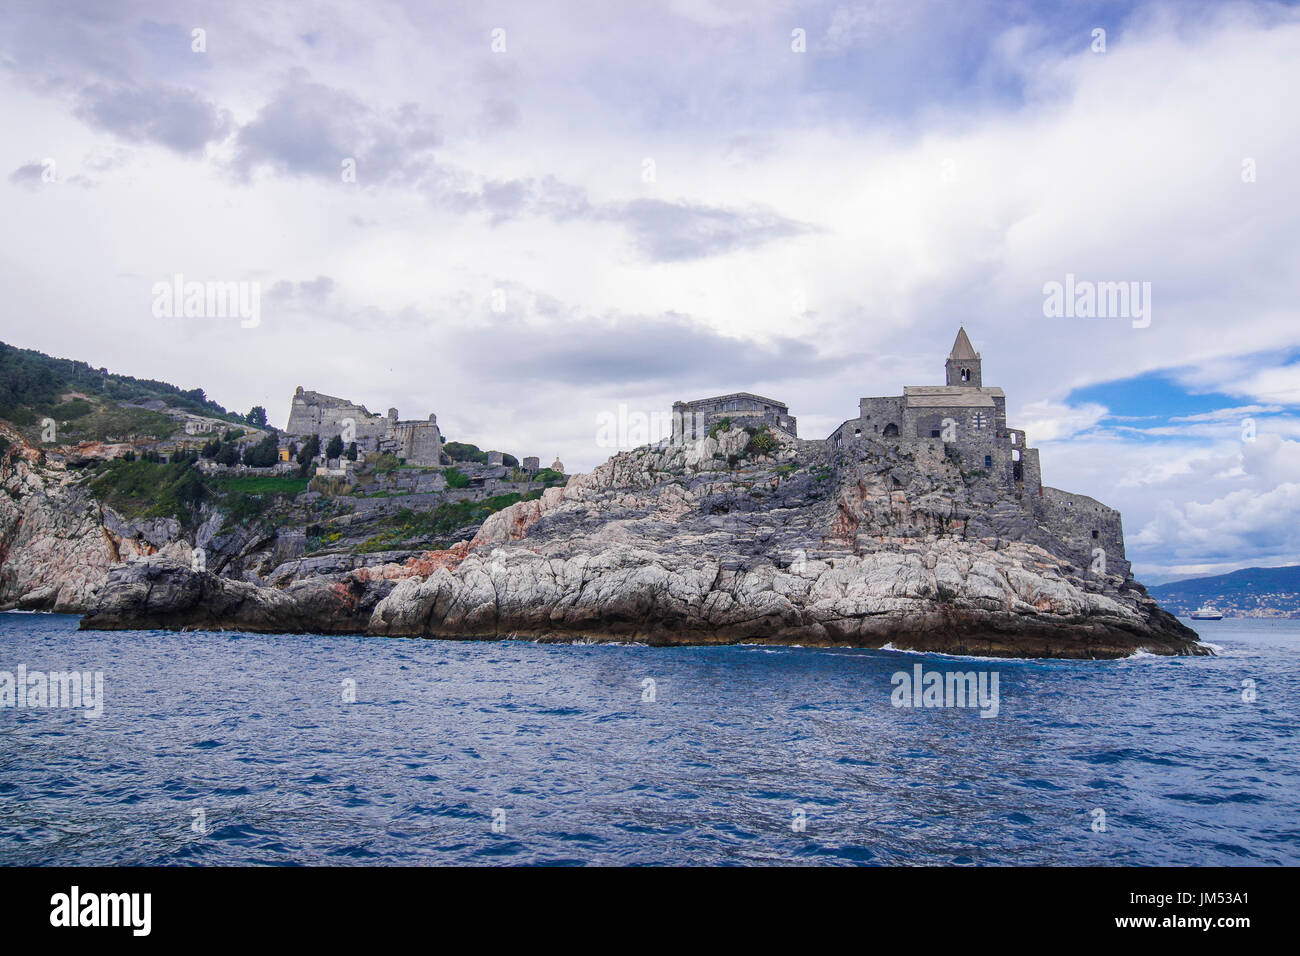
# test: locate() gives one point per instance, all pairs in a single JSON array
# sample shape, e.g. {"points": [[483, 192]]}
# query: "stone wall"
{"points": [[419, 443], [314, 413], [694, 419], [1084, 524]]}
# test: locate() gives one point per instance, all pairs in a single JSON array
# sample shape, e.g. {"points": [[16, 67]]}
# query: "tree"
{"points": [[352, 451], [335, 448], [309, 450], [262, 455], [256, 417]]}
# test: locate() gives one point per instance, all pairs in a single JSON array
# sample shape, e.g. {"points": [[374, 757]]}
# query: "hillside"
{"points": [[1250, 592], [98, 469], [89, 404]]}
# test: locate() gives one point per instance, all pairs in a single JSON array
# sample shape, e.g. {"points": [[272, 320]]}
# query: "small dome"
{"points": [[557, 465]]}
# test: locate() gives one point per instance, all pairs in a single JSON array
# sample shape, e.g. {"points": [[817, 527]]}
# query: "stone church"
{"points": [[963, 418], [963, 413]]}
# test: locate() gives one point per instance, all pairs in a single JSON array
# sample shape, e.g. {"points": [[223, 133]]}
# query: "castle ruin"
{"points": [[694, 419], [315, 413]]}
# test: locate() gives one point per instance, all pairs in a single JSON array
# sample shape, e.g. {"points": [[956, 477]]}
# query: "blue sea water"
{"points": [[254, 731]]}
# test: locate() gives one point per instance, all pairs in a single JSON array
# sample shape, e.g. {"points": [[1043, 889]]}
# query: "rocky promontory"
{"points": [[715, 540]]}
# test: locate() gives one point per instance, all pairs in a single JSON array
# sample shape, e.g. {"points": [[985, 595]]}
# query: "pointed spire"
{"points": [[962, 350]]}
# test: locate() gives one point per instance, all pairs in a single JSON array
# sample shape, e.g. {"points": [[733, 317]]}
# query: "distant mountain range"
{"points": [[1250, 592]]}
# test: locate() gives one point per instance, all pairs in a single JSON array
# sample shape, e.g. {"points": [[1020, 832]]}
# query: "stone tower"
{"points": [[963, 366]]}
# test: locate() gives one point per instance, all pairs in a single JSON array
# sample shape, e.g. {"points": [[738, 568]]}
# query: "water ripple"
{"points": [[222, 748]]}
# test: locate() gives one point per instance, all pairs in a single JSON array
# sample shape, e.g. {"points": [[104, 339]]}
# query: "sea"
{"points": [[227, 748]]}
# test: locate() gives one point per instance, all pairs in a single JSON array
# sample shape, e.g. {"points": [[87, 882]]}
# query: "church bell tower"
{"points": [[963, 367]]}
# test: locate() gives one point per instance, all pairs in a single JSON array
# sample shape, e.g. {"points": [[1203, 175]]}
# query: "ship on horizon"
{"points": [[1207, 613]]}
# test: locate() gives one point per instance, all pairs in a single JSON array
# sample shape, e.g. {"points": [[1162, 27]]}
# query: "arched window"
{"points": [[891, 430], [965, 375]]}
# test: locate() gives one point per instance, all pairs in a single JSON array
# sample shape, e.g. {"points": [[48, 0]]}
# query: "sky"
{"points": [[533, 219]]}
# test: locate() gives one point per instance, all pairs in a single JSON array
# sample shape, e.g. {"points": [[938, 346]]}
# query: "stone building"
{"points": [[694, 419], [315, 413], [964, 414], [969, 419], [418, 443]]}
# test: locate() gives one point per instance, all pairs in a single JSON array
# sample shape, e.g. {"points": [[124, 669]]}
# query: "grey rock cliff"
{"points": [[708, 542]]}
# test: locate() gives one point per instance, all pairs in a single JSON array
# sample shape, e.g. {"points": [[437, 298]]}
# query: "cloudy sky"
{"points": [[525, 216]]}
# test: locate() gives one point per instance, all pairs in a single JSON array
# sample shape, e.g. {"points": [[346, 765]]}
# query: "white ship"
{"points": [[1207, 613]]}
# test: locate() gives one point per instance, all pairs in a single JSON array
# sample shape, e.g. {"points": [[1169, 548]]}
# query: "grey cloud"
{"points": [[673, 232], [27, 174], [661, 231], [668, 350], [504, 200], [309, 292], [30, 175], [177, 118], [308, 129]]}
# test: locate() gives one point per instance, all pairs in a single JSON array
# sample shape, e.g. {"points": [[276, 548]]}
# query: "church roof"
{"points": [[962, 350], [950, 396], [745, 395]]}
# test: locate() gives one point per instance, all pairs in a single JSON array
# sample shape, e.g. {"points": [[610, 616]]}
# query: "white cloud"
{"points": [[836, 204]]}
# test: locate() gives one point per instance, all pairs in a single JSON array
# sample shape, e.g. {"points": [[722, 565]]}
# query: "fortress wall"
{"points": [[421, 442], [696, 418], [875, 414], [312, 413], [1075, 519]]}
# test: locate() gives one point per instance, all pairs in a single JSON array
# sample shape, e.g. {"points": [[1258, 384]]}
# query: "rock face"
{"points": [[57, 544], [162, 594], [713, 542]]}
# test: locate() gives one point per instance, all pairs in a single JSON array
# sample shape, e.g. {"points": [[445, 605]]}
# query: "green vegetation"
{"points": [[411, 527], [548, 475], [108, 422], [455, 478], [256, 416], [387, 463], [151, 489], [309, 450], [245, 498], [223, 453], [71, 410], [462, 451], [264, 454], [332, 487], [784, 470], [146, 489], [261, 485], [761, 441], [31, 383], [721, 425], [335, 448]]}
